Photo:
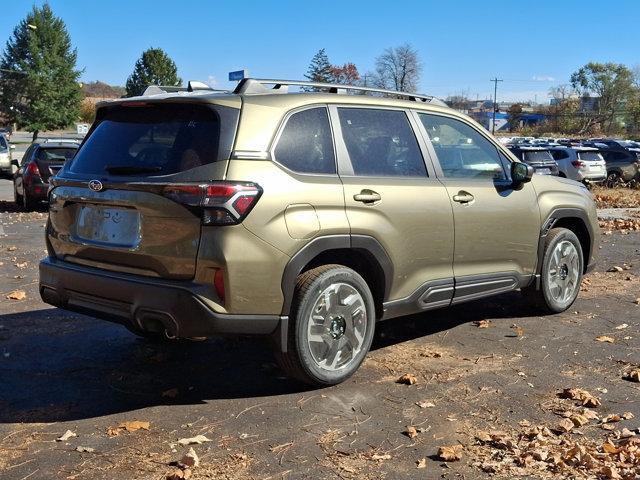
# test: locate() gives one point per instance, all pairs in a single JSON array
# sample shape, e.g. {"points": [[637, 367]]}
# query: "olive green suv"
{"points": [[306, 216]]}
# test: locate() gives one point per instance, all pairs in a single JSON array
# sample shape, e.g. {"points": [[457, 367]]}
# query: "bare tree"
{"points": [[398, 69]]}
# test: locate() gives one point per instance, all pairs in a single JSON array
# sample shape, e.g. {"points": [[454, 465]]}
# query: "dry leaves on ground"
{"points": [[616, 197], [584, 397], [621, 225], [411, 432], [632, 375], [422, 463], [131, 426], [450, 453], [66, 436], [605, 339], [407, 379], [17, 295], [197, 440], [482, 323]]}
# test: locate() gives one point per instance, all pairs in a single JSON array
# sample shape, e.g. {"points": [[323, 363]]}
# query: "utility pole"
{"points": [[495, 102]]}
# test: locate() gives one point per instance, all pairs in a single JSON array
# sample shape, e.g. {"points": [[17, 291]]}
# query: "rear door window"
{"points": [[381, 143], [157, 139], [306, 145]]}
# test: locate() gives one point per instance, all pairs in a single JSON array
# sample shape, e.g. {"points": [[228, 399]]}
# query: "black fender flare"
{"points": [[333, 242], [553, 217]]}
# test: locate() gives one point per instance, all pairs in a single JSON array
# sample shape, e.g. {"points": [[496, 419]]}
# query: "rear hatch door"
{"points": [[109, 208], [51, 159]]}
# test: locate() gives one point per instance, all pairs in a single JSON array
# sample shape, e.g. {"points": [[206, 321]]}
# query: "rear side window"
{"points": [[559, 154], [157, 139], [3, 144], [381, 143], [306, 145], [55, 154], [537, 156]]}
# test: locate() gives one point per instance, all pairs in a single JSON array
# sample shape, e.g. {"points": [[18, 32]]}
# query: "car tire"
{"points": [[28, 205], [561, 272], [330, 328], [613, 180], [17, 198]]}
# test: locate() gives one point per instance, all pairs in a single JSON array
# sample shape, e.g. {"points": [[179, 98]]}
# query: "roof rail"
{"points": [[257, 85], [192, 86]]}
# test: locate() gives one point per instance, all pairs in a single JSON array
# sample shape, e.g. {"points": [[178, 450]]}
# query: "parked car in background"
{"points": [[5, 156], [623, 166], [582, 164], [7, 132], [539, 158], [40, 162]]}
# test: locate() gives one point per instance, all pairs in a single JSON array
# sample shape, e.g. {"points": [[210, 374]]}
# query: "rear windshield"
{"points": [[158, 139], [537, 156], [590, 156], [56, 154]]}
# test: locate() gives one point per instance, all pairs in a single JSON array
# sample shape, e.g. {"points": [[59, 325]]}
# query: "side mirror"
{"points": [[12, 147], [521, 173]]}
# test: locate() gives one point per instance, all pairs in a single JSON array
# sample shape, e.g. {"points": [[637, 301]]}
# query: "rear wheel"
{"points": [[331, 326], [28, 204], [613, 179], [561, 273]]}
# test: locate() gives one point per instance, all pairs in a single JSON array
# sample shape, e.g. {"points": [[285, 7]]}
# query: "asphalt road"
{"points": [[61, 371]]}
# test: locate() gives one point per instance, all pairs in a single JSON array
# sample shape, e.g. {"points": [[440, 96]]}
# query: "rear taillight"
{"points": [[578, 164], [31, 172], [222, 203]]}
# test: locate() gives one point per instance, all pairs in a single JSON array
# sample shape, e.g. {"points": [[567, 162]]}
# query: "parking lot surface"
{"points": [[492, 367]]}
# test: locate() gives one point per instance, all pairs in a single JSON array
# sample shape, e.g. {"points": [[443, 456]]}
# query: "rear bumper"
{"points": [[143, 303]]}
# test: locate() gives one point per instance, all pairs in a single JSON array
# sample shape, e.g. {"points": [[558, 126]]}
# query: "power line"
{"points": [[495, 102]]}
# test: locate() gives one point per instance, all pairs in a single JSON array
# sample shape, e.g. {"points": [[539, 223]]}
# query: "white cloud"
{"points": [[212, 81], [543, 78]]}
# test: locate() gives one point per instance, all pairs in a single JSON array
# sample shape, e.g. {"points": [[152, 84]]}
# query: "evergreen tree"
{"points": [[319, 68], [39, 87], [154, 67]]}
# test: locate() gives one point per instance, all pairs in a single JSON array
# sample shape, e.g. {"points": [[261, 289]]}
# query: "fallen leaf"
{"points": [[622, 327], [610, 472], [411, 432], [482, 323], [22, 265], [131, 426], [178, 474], [450, 453], [581, 395], [613, 418], [85, 449], [384, 456], [407, 379], [628, 415], [605, 338], [565, 425], [626, 433], [422, 463], [189, 460], [637, 301], [11, 249], [425, 404], [171, 393], [615, 268], [17, 295], [579, 420], [197, 440], [66, 436], [518, 329], [633, 375]]}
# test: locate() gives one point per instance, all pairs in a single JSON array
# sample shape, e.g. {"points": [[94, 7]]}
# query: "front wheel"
{"points": [[331, 326], [561, 273]]}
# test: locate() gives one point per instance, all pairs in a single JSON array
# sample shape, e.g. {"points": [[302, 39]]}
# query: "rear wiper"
{"points": [[130, 169]]}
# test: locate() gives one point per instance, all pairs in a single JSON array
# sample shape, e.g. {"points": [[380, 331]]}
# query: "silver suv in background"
{"points": [[5, 156], [582, 164]]}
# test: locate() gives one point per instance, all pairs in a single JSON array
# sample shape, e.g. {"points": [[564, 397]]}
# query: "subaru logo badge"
{"points": [[95, 185]]}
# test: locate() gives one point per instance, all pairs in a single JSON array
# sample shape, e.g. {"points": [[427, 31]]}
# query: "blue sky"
{"points": [[531, 45]]}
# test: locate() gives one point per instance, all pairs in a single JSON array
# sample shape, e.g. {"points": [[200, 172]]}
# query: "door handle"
{"points": [[463, 197], [367, 196]]}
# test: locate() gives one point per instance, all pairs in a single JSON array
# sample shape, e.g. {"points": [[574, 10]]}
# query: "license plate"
{"points": [[544, 171], [118, 227]]}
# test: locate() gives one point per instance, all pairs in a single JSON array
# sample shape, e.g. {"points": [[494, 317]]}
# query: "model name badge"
{"points": [[95, 185]]}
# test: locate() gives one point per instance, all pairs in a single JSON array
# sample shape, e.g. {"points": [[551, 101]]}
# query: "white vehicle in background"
{"points": [[5, 156], [582, 164]]}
